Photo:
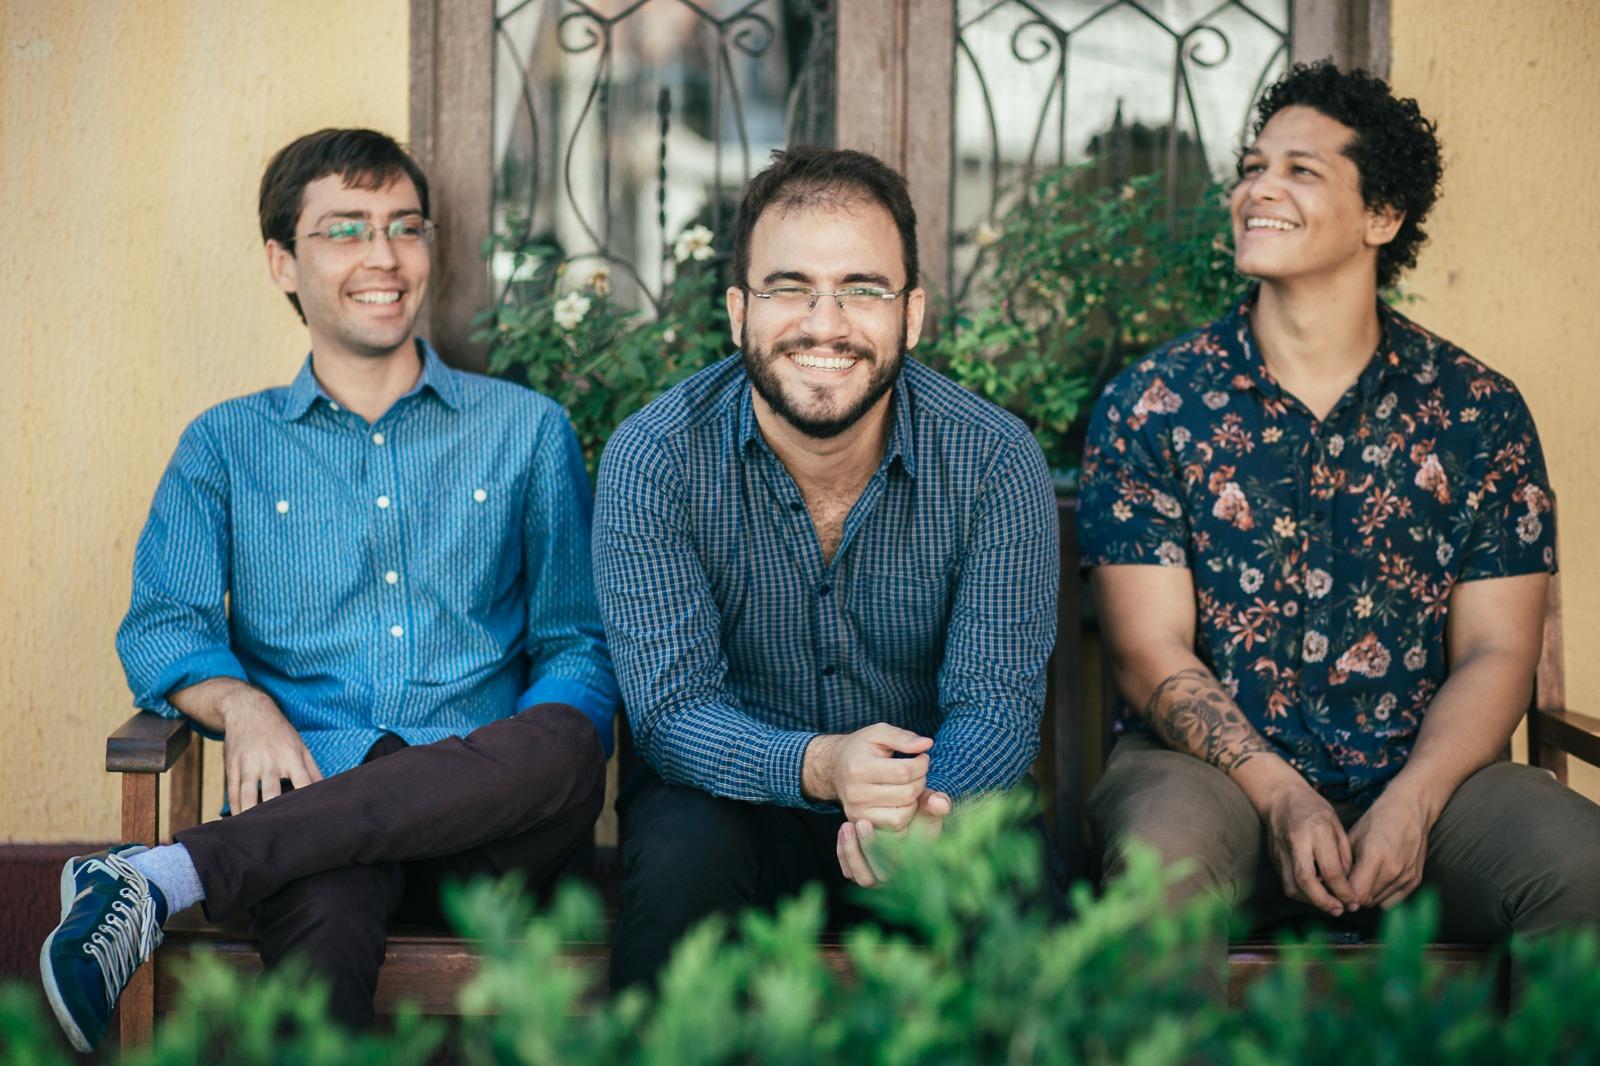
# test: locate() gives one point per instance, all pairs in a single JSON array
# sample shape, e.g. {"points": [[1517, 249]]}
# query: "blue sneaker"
{"points": [[111, 920]]}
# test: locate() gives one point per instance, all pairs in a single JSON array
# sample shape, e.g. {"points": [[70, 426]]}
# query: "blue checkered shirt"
{"points": [[736, 643], [423, 575]]}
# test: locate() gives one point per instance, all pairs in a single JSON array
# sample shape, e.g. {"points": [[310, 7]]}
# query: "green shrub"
{"points": [[1085, 279], [566, 336], [965, 969]]}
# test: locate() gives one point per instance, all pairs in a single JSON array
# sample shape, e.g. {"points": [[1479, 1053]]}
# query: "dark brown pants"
{"points": [[323, 869], [1513, 850]]}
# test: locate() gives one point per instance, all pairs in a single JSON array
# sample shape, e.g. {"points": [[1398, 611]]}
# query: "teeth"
{"points": [[1269, 223], [375, 297], [823, 362]]}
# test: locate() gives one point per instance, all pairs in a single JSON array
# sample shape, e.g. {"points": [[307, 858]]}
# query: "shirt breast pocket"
{"points": [[471, 546], [287, 556], [900, 619]]}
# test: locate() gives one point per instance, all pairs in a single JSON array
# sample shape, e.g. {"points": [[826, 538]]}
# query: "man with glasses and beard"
{"points": [[827, 574]]}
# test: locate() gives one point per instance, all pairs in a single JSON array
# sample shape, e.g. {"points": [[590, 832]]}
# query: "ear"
{"points": [[736, 309], [283, 266], [916, 306], [1382, 224]]}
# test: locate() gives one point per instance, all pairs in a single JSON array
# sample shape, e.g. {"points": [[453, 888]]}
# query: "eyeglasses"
{"points": [[408, 229], [796, 299]]}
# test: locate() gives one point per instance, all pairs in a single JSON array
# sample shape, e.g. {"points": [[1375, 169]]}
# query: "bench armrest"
{"points": [[1573, 732], [147, 743]]}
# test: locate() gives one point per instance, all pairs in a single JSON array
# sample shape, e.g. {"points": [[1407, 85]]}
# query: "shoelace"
{"points": [[127, 933]]}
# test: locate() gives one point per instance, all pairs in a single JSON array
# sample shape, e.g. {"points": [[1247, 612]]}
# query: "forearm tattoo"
{"points": [[1190, 712]]}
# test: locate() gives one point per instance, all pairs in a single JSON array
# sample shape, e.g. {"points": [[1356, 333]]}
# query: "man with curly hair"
{"points": [[1320, 539]]}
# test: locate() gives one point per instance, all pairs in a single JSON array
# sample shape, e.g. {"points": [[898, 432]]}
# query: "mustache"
{"points": [[805, 340]]}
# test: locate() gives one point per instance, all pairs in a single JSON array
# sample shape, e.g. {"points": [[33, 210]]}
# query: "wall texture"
{"points": [[133, 294], [1509, 274]]}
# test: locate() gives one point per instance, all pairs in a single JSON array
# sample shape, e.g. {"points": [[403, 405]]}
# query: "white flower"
{"points": [[986, 235], [1386, 705], [1250, 579], [1428, 374], [570, 309], [1180, 438], [1318, 583], [1416, 658], [1215, 400], [695, 242], [1335, 445], [1528, 528], [1170, 554], [1386, 405], [1316, 647], [1167, 506], [1445, 553], [669, 335]]}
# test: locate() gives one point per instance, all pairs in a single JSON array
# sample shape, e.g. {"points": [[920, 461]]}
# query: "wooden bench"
{"points": [[428, 966]]}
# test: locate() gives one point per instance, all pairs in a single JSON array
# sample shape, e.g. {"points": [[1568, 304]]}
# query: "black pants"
{"points": [[323, 869], [687, 855]]}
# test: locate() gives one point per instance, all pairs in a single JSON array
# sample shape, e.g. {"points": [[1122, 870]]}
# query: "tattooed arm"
{"points": [[1148, 619], [1190, 712]]}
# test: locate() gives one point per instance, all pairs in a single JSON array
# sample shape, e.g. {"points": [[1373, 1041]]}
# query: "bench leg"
{"points": [[141, 808]]}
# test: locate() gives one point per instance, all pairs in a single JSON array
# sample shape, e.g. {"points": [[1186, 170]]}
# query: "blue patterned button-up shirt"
{"points": [[1323, 552], [736, 643], [423, 575]]}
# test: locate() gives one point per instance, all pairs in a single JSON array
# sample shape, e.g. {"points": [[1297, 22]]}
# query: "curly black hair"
{"points": [[1395, 148]]}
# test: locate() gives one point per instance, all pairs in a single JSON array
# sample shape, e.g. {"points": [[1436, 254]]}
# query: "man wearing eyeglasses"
{"points": [[374, 584], [827, 573]]}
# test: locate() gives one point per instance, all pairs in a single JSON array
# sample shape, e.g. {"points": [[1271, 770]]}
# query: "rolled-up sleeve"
{"points": [[665, 633], [1001, 630], [175, 633]]}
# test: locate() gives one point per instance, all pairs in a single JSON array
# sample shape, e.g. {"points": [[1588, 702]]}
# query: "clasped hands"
{"points": [[879, 776], [1377, 863]]}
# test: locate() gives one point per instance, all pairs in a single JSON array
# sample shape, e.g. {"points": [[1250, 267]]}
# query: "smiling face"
{"points": [[824, 370], [1297, 210], [359, 299]]}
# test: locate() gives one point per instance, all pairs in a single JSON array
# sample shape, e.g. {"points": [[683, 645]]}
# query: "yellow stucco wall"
{"points": [[133, 294], [1510, 273]]}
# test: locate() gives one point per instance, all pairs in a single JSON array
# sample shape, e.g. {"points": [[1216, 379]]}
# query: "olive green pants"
{"points": [[1513, 850]]}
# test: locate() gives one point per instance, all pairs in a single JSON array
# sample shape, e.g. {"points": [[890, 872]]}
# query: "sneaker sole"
{"points": [[47, 972]]}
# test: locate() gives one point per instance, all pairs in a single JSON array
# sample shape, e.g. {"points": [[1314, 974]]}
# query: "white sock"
{"points": [[171, 871]]}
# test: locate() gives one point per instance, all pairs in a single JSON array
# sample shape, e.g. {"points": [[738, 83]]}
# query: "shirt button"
{"points": [[823, 590], [334, 405], [396, 631], [391, 577], [383, 502], [827, 671], [377, 438], [479, 495], [283, 506]]}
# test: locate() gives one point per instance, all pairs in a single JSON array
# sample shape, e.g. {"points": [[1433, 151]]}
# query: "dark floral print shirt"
{"points": [[1323, 552]]}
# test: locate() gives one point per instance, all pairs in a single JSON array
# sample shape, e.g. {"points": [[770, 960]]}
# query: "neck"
{"points": [[1321, 332], [367, 385], [844, 460]]}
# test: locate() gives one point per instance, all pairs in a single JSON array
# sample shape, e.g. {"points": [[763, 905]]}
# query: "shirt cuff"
{"points": [[190, 670], [598, 707], [785, 759]]}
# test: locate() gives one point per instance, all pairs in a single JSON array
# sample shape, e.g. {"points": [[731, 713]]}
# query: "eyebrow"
{"points": [[1293, 153], [801, 277], [364, 215]]}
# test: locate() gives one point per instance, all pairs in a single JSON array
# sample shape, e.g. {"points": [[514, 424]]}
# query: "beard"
{"points": [[826, 419]]}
